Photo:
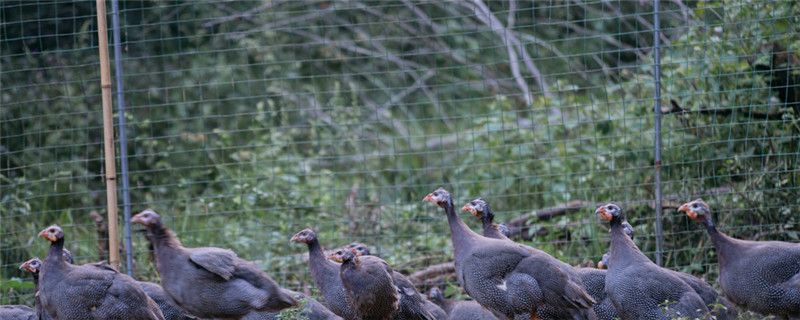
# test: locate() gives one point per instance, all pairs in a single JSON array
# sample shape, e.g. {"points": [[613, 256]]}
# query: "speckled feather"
{"points": [[312, 310], [412, 303], [17, 312], [168, 307]]}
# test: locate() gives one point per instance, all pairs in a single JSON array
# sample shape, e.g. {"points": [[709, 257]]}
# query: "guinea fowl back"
{"points": [[17, 312], [369, 285], [210, 282], [638, 287], [460, 310], [761, 276]]}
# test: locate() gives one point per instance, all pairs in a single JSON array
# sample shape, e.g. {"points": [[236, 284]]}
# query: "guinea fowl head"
{"points": [[32, 265], [436, 295], [439, 197], [609, 212], [603, 263], [343, 255], [305, 236], [696, 210], [52, 233], [147, 218], [480, 209], [359, 248]]}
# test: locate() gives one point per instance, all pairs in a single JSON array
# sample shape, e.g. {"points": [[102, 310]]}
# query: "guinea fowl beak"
{"points": [[137, 219], [469, 208], [428, 198], [603, 214], [46, 235], [295, 238], [688, 211]]}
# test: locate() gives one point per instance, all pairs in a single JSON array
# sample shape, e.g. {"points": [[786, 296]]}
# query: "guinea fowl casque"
{"points": [[70, 291], [326, 276], [509, 278], [761, 276], [459, 310], [710, 296], [369, 285], [210, 282], [637, 286], [413, 305], [593, 279]]}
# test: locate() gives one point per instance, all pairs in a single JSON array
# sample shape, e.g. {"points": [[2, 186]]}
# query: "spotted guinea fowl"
{"points": [[70, 291], [368, 283], [638, 287], [710, 296], [210, 282], [326, 275], [459, 310], [593, 279], [311, 309], [509, 278], [413, 305], [761, 276], [168, 307], [17, 312]]}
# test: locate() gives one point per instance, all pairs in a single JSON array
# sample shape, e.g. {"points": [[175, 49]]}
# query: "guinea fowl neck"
{"points": [[320, 266], [720, 240], [460, 233], [623, 250], [55, 255], [163, 238]]}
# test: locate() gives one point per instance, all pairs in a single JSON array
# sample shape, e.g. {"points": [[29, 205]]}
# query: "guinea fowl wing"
{"points": [[17, 312], [216, 260], [412, 304]]}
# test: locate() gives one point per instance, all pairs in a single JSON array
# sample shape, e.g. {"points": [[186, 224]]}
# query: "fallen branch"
{"points": [[434, 271], [675, 108]]}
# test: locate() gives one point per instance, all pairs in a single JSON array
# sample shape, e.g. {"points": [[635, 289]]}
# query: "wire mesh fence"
{"points": [[249, 121]]}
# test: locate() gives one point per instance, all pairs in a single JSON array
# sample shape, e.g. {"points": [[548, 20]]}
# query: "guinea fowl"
{"points": [[33, 266], [69, 291], [369, 285], [459, 310], [17, 312], [710, 296], [510, 278], [593, 279], [637, 286], [413, 305], [210, 282], [761, 276], [326, 276]]}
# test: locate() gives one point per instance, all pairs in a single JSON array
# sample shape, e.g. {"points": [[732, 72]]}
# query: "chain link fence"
{"points": [[249, 121]]}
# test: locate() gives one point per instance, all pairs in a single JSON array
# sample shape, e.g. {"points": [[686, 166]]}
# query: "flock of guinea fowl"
{"points": [[505, 279]]}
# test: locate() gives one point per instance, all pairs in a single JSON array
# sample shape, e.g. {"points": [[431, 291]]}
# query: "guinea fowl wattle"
{"points": [[509, 278], [326, 276], [638, 287], [69, 291], [593, 279], [210, 282], [369, 285], [459, 310], [761, 276]]}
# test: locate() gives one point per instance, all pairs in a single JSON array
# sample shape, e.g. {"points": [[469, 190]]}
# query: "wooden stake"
{"points": [[108, 136]]}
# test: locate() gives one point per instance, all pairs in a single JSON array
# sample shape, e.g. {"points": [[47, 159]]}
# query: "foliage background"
{"points": [[249, 121]]}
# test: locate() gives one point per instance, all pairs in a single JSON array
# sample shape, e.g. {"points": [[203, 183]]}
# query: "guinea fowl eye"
{"points": [[610, 208], [52, 230]]}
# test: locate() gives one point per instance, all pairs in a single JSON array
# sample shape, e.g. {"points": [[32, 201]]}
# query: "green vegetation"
{"points": [[249, 121]]}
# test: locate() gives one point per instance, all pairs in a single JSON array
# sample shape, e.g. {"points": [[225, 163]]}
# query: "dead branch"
{"points": [[674, 107], [431, 272]]}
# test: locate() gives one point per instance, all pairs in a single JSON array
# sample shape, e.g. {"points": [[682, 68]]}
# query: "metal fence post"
{"points": [[657, 138], [123, 142]]}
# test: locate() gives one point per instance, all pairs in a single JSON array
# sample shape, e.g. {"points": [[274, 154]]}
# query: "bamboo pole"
{"points": [[108, 137]]}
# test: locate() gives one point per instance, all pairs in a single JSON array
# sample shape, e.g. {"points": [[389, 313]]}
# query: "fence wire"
{"points": [[249, 121]]}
